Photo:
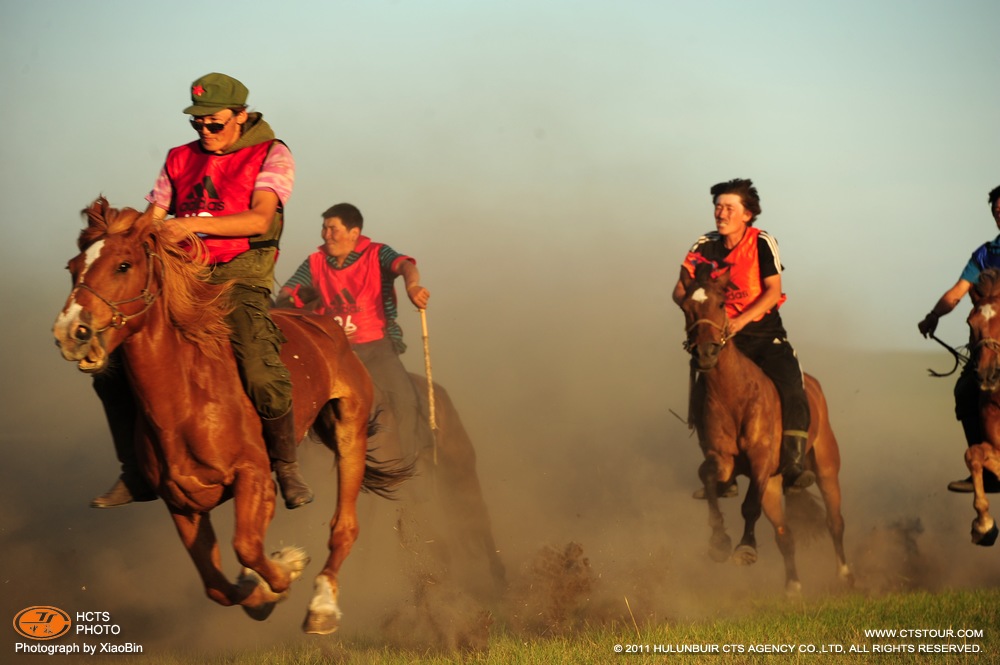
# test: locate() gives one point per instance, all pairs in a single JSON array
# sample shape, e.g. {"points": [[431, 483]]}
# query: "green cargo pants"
{"points": [[257, 346]]}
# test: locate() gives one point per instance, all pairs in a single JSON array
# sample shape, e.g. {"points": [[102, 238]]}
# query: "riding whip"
{"points": [[430, 380], [960, 358]]}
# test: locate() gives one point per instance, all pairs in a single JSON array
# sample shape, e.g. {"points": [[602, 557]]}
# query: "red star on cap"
{"points": [[197, 91]]}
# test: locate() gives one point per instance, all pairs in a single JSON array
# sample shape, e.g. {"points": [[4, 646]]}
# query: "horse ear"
{"points": [[686, 278], [96, 212], [97, 223], [975, 295], [145, 225], [721, 276]]}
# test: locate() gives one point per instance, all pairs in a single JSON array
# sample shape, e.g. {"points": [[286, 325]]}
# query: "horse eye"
{"points": [[124, 266]]}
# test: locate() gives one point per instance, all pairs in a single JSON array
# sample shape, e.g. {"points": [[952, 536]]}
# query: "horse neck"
{"points": [[731, 372], [161, 363]]}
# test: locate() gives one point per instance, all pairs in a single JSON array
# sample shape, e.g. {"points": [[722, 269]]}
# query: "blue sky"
{"points": [[548, 157]]}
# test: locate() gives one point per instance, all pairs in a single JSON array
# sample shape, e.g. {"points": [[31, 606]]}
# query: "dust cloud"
{"points": [[586, 472]]}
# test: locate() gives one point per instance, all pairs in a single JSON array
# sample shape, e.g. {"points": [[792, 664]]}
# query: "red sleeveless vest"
{"points": [[353, 295], [206, 185]]}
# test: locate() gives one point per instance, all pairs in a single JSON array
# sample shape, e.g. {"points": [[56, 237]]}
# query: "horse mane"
{"points": [[988, 285], [196, 307]]}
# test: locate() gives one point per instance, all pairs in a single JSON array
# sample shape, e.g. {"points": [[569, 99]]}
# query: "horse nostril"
{"points": [[83, 333]]}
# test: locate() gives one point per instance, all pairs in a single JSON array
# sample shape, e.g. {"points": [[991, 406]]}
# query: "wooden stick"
{"points": [[430, 380]]}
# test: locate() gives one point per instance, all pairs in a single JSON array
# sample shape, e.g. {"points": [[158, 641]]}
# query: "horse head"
{"points": [[984, 328], [113, 285], [707, 323]]}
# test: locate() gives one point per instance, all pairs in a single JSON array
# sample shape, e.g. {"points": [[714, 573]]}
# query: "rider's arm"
{"points": [[417, 294], [252, 222], [946, 304], [679, 288]]}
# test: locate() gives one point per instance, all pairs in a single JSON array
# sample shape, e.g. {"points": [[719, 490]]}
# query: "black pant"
{"points": [[776, 357], [967, 403]]}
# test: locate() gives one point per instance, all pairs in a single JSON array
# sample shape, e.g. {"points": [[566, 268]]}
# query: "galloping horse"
{"points": [[199, 439], [736, 411], [985, 341], [457, 490]]}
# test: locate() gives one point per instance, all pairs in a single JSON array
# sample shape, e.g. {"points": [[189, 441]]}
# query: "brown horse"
{"points": [[736, 411], [199, 439], [984, 326], [451, 470], [460, 495]]}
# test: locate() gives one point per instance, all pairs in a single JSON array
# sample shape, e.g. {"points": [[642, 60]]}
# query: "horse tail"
{"points": [[374, 426], [384, 478], [806, 515]]}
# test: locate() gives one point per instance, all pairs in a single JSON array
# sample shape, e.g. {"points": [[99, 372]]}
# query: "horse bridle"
{"points": [[990, 343], [724, 328], [118, 318]]}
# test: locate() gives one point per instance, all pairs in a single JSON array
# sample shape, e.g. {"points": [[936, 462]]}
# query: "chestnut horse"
{"points": [[452, 470], [984, 326], [736, 411], [199, 439]]}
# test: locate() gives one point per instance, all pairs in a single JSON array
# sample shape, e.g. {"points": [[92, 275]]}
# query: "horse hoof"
{"points": [[986, 539], [317, 623], [745, 555], [793, 589], [846, 577], [260, 612], [721, 548]]}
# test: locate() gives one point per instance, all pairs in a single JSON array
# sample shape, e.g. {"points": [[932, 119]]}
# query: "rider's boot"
{"points": [[794, 474], [279, 435], [119, 407]]}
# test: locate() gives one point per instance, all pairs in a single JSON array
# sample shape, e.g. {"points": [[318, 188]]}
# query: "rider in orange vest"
{"points": [[752, 306]]}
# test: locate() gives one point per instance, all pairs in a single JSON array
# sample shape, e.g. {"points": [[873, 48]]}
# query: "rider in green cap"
{"points": [[229, 187]]}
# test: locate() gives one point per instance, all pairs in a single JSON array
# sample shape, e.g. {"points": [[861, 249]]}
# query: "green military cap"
{"points": [[214, 92]]}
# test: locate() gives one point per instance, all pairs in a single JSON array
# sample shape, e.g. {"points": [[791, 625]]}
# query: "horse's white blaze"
{"points": [[987, 311], [324, 600], [68, 317], [92, 253], [699, 295]]}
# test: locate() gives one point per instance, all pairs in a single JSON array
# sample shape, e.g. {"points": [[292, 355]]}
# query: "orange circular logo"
{"points": [[42, 622]]}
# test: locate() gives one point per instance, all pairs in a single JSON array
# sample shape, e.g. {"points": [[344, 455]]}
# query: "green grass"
{"points": [[840, 621]]}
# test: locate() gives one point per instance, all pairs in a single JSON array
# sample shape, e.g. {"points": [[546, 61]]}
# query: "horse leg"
{"points": [[264, 579], [462, 494], [720, 544], [984, 528], [829, 488], [775, 513], [198, 537], [746, 552], [324, 613]]}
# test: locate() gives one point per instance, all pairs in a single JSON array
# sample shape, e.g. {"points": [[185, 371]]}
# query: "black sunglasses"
{"points": [[212, 127]]}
